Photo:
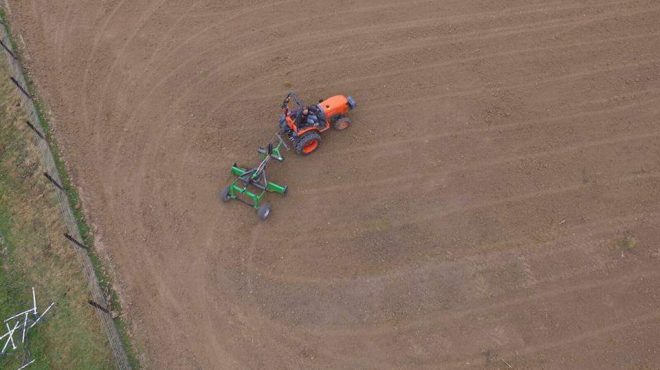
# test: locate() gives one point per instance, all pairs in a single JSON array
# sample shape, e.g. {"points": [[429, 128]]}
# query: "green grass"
{"points": [[627, 242], [73, 197], [33, 251]]}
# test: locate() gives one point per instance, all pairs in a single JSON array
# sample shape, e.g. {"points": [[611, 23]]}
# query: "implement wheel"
{"points": [[342, 124], [308, 143], [224, 194], [264, 211]]}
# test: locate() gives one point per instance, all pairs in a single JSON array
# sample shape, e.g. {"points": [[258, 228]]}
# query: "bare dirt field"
{"points": [[495, 204]]}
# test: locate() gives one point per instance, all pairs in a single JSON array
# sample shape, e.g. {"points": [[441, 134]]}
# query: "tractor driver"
{"points": [[308, 117], [303, 116]]}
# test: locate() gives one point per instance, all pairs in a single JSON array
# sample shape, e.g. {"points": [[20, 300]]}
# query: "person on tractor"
{"points": [[303, 117], [308, 117]]}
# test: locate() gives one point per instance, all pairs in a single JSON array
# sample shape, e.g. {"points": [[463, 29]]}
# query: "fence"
{"points": [[72, 233]]}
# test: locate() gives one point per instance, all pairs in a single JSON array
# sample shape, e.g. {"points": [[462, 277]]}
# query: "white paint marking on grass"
{"points": [[10, 338], [34, 301], [26, 365], [42, 315]]}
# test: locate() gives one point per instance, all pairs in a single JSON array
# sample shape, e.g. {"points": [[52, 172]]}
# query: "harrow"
{"points": [[251, 184]]}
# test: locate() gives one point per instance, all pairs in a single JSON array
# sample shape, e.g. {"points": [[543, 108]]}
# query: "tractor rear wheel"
{"points": [[342, 124], [224, 194], [308, 143], [264, 211]]}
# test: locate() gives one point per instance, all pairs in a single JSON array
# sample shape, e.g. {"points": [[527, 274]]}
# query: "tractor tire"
{"points": [[224, 194], [342, 124], [264, 211], [308, 143]]}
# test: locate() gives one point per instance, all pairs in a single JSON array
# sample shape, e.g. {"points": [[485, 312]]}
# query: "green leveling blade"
{"points": [[251, 184]]}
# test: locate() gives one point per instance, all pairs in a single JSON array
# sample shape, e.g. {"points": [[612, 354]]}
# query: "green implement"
{"points": [[251, 184]]}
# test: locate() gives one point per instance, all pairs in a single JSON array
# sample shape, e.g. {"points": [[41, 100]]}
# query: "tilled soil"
{"points": [[494, 205]]}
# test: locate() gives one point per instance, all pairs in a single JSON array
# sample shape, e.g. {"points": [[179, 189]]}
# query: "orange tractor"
{"points": [[303, 124]]}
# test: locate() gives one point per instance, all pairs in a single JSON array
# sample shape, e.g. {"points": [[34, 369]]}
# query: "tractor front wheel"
{"points": [[342, 124], [264, 211], [308, 143], [224, 194]]}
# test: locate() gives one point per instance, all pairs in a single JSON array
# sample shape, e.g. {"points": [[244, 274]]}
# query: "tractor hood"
{"points": [[337, 105]]}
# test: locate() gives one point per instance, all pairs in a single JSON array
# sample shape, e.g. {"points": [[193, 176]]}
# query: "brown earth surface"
{"points": [[495, 204]]}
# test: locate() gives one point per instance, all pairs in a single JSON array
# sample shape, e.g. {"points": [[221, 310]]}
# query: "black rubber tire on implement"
{"points": [[224, 194], [342, 124], [264, 211], [306, 140]]}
